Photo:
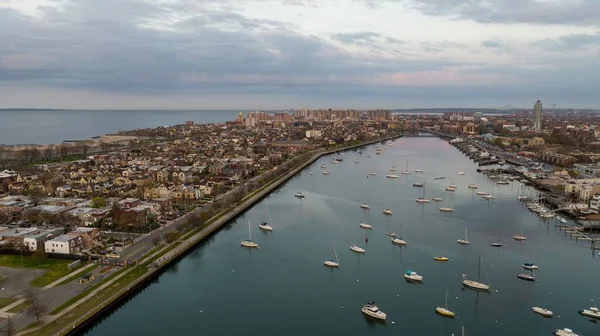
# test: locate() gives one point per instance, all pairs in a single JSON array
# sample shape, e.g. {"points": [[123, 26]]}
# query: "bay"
{"points": [[220, 288], [55, 126]]}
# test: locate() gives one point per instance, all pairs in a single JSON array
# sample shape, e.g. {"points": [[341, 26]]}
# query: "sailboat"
{"points": [[530, 266], [444, 311], [357, 249], [248, 242], [418, 184], [527, 277], [299, 195], [418, 170], [387, 211], [472, 185], [476, 285], [464, 241], [398, 239], [265, 225], [481, 193], [519, 237], [422, 199], [448, 207], [406, 171], [332, 263], [365, 206]]}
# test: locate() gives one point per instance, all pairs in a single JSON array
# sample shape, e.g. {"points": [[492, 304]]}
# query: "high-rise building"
{"points": [[537, 116]]}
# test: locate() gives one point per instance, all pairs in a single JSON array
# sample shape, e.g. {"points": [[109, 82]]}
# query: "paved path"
{"points": [[69, 275]]}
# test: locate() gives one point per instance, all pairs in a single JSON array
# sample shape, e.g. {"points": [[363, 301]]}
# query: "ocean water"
{"points": [[220, 288], [43, 127]]}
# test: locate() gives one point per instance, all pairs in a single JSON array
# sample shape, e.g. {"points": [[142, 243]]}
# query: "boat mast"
{"points": [[479, 269], [249, 231], [446, 298], [336, 257], [466, 237]]}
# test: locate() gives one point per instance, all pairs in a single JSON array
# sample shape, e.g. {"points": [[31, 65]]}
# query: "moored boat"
{"points": [[542, 311], [564, 332], [365, 226], [387, 211], [439, 258], [412, 276], [373, 311], [357, 249], [593, 312]]}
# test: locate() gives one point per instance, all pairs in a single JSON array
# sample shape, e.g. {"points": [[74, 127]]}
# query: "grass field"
{"points": [[56, 268], [18, 308], [6, 301]]}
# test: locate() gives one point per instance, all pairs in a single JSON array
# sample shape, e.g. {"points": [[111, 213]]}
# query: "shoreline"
{"points": [[182, 249]]}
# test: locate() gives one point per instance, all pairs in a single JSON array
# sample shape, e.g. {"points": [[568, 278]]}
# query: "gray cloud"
{"points": [[494, 43], [571, 42], [364, 37], [582, 12]]}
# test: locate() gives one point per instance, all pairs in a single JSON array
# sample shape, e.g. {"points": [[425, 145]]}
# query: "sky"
{"points": [[264, 54]]}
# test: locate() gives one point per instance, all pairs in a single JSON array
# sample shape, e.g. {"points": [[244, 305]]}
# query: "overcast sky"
{"points": [[263, 54]]}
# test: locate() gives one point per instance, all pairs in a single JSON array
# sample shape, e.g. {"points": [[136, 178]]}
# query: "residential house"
{"points": [[90, 236], [35, 240], [64, 244]]}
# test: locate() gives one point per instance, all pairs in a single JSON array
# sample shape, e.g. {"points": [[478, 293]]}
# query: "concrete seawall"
{"points": [[182, 249]]}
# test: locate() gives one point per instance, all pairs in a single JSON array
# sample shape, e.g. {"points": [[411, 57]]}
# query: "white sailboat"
{"points": [[265, 226], [448, 207], [481, 193], [248, 242], [392, 176], [357, 249], [299, 195], [365, 206], [464, 241], [398, 239], [418, 170], [476, 285], [519, 237], [422, 199], [332, 263], [406, 171], [531, 265], [387, 211]]}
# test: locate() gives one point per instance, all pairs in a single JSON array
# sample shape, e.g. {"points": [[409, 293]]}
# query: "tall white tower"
{"points": [[537, 116]]}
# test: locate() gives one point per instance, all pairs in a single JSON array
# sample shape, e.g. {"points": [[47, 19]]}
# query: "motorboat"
{"points": [[542, 311], [310, 172], [325, 172], [365, 206], [370, 309], [412, 276], [593, 312], [481, 193], [437, 199], [519, 237], [387, 211], [472, 186], [365, 226], [357, 249], [265, 226], [530, 266], [488, 197], [450, 189], [394, 176], [393, 168], [299, 195], [418, 184], [441, 258], [461, 173], [339, 159], [398, 241], [496, 244], [526, 277], [334, 161], [418, 170], [374, 173], [422, 200], [390, 234], [564, 332]]}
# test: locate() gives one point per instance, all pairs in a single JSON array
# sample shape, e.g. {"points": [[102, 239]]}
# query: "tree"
{"points": [[63, 150], [9, 329], [171, 236], [48, 152], [98, 202], [35, 195], [37, 308], [155, 240]]}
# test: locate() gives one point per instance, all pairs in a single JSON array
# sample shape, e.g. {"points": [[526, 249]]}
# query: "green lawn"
{"points": [[57, 268], [18, 308], [6, 301]]}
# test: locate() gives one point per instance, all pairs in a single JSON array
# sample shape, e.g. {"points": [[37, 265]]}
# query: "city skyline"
{"points": [[260, 54]]}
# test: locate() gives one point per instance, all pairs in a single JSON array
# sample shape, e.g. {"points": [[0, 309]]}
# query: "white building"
{"points": [[595, 202], [64, 244]]}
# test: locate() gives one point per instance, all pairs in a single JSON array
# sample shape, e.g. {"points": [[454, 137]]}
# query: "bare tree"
{"points": [[156, 240], [9, 329], [37, 308], [36, 195], [48, 152], [63, 149]]}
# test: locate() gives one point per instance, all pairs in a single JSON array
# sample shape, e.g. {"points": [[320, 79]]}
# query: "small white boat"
{"points": [[387, 211], [357, 249], [357, 161], [564, 332], [530, 266], [265, 226], [310, 172], [526, 277], [519, 237], [542, 311], [390, 234], [487, 197], [299, 195], [593, 312], [332, 263], [374, 173], [418, 184], [405, 172], [422, 200], [365, 206], [502, 182], [481, 193], [497, 244], [476, 285], [323, 166], [393, 168], [461, 173], [334, 162], [446, 209], [398, 241], [325, 172], [452, 189], [464, 241], [412, 276], [522, 198], [248, 242], [392, 176], [365, 226], [418, 170], [472, 186], [437, 199], [373, 311]]}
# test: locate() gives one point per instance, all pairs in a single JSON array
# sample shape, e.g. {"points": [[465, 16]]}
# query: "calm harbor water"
{"points": [[220, 288], [43, 127]]}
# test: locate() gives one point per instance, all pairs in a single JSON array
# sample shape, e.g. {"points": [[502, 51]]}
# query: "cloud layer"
{"points": [[187, 54]]}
